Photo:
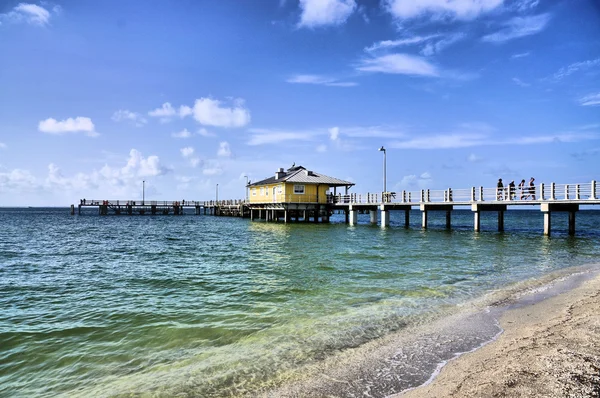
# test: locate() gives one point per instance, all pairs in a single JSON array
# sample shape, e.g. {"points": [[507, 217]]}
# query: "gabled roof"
{"points": [[299, 174]]}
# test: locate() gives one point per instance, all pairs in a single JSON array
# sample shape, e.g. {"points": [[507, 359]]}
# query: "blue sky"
{"points": [[98, 96]]}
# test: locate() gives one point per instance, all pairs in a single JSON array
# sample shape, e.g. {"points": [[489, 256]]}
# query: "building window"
{"points": [[262, 191], [253, 191], [279, 189], [267, 191], [299, 189]]}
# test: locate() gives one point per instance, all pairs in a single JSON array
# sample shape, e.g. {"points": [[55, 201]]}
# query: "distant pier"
{"points": [[233, 208], [549, 199]]}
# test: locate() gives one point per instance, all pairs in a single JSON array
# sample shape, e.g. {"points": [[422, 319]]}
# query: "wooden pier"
{"points": [[549, 199], [233, 208]]}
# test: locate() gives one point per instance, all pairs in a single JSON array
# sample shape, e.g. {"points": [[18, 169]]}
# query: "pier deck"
{"points": [[548, 198]]}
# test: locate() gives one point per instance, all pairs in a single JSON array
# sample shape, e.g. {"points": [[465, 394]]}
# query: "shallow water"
{"points": [[215, 306]]}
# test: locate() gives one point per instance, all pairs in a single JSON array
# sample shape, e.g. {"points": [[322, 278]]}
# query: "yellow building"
{"points": [[295, 192]]}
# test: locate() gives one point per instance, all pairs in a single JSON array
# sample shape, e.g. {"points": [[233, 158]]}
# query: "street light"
{"points": [[382, 149], [143, 191], [217, 194], [246, 188]]}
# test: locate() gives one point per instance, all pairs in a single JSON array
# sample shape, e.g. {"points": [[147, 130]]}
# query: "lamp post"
{"points": [[246, 188], [382, 149], [217, 201], [143, 191]]}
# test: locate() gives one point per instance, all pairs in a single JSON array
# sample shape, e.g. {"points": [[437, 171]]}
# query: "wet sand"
{"points": [[548, 349]]}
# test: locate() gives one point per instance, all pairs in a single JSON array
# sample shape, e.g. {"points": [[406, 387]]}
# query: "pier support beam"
{"points": [[354, 216], [548, 208], [73, 209], [500, 221], [572, 223], [448, 219], [425, 208], [385, 217], [373, 218], [547, 223], [477, 208], [406, 218]]}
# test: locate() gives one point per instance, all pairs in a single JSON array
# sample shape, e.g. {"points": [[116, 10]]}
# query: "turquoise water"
{"points": [[215, 306]]}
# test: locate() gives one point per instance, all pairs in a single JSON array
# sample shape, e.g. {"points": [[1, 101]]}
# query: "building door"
{"points": [[274, 194]]}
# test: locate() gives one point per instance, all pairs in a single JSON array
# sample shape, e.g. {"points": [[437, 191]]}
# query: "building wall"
{"points": [[285, 193]]}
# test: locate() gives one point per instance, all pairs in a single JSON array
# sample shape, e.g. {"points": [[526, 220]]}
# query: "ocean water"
{"points": [[214, 307]]}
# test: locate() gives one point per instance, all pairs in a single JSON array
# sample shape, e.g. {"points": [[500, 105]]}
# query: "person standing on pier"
{"points": [[532, 188], [511, 190], [500, 190], [522, 188]]}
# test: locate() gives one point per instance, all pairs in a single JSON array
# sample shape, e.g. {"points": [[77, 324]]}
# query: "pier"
{"points": [[234, 208], [549, 198]]}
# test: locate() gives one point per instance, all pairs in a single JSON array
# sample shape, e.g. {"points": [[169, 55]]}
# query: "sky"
{"points": [[105, 99]]}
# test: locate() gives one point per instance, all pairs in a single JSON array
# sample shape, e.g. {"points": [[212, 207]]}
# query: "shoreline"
{"points": [[548, 348], [414, 362]]}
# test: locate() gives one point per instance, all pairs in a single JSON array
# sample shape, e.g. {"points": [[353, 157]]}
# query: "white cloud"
{"points": [[519, 82], [576, 67], [265, 136], [441, 141], [334, 133], [2, 145], [322, 148], [107, 182], [185, 110], [590, 100], [434, 47], [29, 13], [399, 64], [70, 125], [166, 110], [325, 12], [188, 153], [373, 131], [17, 180], [124, 115], [520, 55], [320, 80], [387, 44], [519, 27], [413, 181], [546, 139], [139, 166], [224, 150], [459, 9], [209, 112], [473, 139], [182, 134], [525, 5]]}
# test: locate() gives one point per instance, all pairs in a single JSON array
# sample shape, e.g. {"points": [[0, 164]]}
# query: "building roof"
{"points": [[299, 174]]}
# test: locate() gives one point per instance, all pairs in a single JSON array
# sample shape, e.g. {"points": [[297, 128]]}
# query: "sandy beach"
{"points": [[548, 349]]}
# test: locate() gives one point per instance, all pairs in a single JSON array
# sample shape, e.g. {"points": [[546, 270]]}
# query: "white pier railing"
{"points": [[542, 192]]}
